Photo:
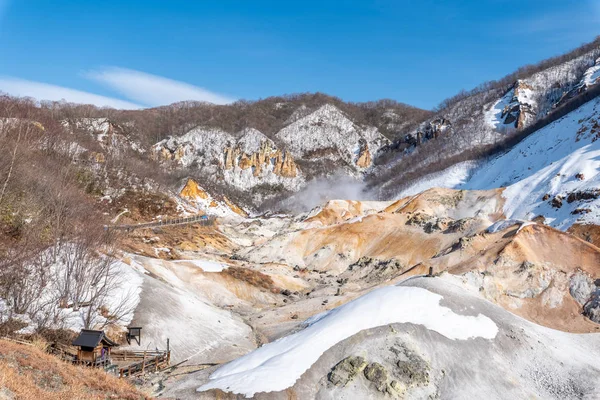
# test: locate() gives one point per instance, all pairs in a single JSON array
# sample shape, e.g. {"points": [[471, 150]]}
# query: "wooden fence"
{"points": [[142, 361], [196, 219]]}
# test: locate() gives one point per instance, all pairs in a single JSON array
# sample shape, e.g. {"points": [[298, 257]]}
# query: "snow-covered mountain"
{"points": [[313, 144], [244, 160], [553, 173], [487, 286], [328, 133], [465, 126]]}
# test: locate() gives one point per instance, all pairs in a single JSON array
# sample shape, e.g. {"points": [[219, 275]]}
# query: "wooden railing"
{"points": [[196, 219], [142, 361]]}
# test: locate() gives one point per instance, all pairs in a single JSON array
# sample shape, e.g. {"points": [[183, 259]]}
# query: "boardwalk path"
{"points": [[196, 219]]}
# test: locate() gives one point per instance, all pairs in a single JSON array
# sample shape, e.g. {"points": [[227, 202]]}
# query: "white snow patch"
{"points": [[451, 177], [277, 365], [592, 75], [501, 225]]}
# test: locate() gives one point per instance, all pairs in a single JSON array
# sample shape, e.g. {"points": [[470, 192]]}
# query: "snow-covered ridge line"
{"points": [[329, 128], [549, 172], [276, 366]]}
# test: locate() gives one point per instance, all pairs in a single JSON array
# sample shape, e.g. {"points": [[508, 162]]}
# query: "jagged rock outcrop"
{"points": [[592, 308], [266, 158], [431, 130], [378, 375], [328, 133], [208, 203], [520, 109], [406, 370], [285, 165], [243, 161], [364, 159], [191, 190], [346, 370]]}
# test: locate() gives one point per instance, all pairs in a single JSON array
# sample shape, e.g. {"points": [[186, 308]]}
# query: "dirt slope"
{"points": [[28, 373]]}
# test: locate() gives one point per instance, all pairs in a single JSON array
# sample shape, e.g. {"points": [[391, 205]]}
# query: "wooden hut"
{"points": [[94, 347]]}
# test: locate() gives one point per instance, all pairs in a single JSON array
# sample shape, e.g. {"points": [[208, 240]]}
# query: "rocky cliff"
{"points": [[202, 201], [312, 144], [244, 160], [329, 133]]}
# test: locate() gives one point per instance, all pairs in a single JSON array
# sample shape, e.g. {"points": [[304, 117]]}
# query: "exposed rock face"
{"points": [[581, 287], [364, 156], [191, 190], [285, 165], [312, 144], [518, 110], [378, 375], [589, 194], [430, 223], [266, 156], [397, 374], [368, 270], [203, 200], [329, 133], [244, 161], [557, 201], [346, 370], [433, 130], [412, 368], [592, 307]]}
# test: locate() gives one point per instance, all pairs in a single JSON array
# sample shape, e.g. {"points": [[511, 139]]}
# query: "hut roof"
{"points": [[91, 338]]}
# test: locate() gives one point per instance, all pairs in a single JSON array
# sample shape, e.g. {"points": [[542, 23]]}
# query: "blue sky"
{"points": [[131, 53]]}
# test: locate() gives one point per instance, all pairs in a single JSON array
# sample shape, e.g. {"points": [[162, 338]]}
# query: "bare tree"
{"points": [[89, 280]]}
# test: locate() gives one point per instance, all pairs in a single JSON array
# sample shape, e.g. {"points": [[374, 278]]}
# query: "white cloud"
{"points": [[45, 91], [557, 23], [153, 90]]}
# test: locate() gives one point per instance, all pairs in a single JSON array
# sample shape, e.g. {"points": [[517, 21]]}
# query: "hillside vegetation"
{"points": [[28, 373]]}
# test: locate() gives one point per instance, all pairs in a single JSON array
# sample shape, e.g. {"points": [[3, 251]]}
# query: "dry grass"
{"points": [[254, 278], [26, 372]]}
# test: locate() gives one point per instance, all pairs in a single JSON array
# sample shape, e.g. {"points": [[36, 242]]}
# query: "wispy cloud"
{"points": [[582, 18], [45, 91], [153, 90]]}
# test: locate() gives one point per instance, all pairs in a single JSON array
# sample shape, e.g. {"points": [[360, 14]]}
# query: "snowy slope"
{"points": [[277, 365], [592, 75], [111, 136], [200, 145], [251, 141], [328, 128], [458, 346], [449, 178], [121, 299], [561, 159], [174, 308], [486, 116]]}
